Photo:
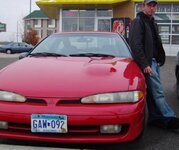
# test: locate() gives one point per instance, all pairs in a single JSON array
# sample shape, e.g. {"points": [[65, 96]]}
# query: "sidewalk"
{"points": [[4, 55]]}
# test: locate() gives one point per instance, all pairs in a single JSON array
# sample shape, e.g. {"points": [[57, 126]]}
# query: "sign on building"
{"points": [[2, 27]]}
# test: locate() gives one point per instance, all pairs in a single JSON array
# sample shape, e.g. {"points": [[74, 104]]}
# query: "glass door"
{"points": [[104, 24]]}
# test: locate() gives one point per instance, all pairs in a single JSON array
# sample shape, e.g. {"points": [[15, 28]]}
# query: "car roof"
{"points": [[86, 32]]}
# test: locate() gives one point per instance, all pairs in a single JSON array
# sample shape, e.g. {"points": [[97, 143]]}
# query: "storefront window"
{"points": [[175, 39], [69, 24], [87, 13], [175, 29], [164, 31], [163, 18], [175, 18], [164, 8], [86, 24], [176, 8], [86, 20], [104, 13], [70, 20], [104, 24], [70, 13], [165, 38]]}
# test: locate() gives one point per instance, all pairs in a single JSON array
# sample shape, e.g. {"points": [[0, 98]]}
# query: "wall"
{"points": [[126, 9]]}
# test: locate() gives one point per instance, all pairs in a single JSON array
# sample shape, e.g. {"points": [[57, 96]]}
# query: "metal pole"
{"points": [[30, 6], [30, 14], [17, 31]]}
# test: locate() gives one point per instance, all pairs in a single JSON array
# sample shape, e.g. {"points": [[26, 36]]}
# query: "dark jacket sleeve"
{"points": [[137, 42], [161, 54]]}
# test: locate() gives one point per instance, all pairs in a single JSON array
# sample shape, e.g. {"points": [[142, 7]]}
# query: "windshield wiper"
{"points": [[92, 55], [47, 54]]}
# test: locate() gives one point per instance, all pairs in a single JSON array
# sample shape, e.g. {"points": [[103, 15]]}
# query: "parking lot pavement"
{"points": [[14, 147], [4, 55]]}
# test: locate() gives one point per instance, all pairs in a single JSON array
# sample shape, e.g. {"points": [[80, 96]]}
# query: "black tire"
{"points": [[8, 51]]}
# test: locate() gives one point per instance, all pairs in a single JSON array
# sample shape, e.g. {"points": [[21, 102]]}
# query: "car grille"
{"points": [[36, 101], [72, 130], [68, 102], [58, 102]]}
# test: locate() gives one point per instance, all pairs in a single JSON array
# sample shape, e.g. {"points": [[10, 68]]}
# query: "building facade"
{"points": [[39, 21], [96, 15]]}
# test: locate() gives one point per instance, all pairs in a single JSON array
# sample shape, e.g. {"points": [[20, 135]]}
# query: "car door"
{"points": [[25, 47], [15, 47], [22, 47]]}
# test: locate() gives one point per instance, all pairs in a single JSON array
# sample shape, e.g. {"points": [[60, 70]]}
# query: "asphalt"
{"points": [[4, 55]]}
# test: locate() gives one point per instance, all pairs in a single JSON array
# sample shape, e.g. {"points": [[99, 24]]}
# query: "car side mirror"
{"points": [[23, 55]]}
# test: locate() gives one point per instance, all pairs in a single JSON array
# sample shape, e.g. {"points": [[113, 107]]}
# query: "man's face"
{"points": [[150, 8]]}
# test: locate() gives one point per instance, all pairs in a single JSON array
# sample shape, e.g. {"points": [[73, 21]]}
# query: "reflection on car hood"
{"points": [[70, 76]]}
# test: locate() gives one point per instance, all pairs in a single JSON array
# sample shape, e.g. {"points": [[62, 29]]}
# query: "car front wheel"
{"points": [[8, 51]]}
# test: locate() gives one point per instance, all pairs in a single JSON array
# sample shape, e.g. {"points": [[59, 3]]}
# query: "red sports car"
{"points": [[81, 87]]}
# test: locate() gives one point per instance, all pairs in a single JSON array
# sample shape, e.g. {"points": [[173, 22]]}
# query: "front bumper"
{"points": [[83, 122]]}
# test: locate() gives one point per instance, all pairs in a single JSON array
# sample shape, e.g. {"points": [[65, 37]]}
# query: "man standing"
{"points": [[148, 52]]}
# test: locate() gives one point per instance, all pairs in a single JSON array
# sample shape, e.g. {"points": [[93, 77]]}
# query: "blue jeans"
{"points": [[158, 108]]}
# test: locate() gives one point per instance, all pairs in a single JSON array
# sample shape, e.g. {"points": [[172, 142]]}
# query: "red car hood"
{"points": [[70, 76]]}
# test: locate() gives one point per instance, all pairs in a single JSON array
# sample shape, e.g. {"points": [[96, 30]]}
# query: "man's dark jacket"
{"points": [[141, 41]]}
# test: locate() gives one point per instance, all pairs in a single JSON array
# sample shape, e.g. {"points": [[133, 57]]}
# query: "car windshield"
{"points": [[82, 45]]}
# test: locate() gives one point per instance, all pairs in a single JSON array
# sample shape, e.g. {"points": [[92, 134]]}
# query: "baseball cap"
{"points": [[148, 1]]}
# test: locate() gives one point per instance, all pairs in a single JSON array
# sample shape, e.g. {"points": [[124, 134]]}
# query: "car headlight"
{"points": [[119, 97], [9, 96]]}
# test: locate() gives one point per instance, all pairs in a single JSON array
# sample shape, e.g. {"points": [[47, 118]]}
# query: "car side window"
{"points": [[22, 45], [15, 45]]}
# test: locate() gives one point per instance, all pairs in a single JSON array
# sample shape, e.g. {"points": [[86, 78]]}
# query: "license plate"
{"points": [[49, 123]]}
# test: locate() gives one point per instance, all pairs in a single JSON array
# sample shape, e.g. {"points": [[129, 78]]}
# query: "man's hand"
{"points": [[148, 70]]}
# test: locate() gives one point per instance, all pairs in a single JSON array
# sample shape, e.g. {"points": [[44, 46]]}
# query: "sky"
{"points": [[12, 13]]}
